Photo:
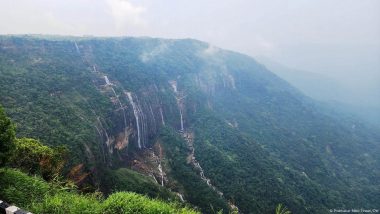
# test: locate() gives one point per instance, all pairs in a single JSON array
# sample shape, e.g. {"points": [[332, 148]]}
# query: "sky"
{"points": [[336, 38]]}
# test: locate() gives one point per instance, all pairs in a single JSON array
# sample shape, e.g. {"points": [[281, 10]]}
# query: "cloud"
{"points": [[147, 56], [23, 17], [126, 15], [266, 45], [211, 50]]}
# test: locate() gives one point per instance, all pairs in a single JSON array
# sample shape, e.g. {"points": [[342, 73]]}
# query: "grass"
{"points": [[38, 196]]}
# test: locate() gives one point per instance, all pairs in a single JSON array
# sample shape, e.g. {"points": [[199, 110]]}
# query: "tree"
{"points": [[7, 136], [35, 158]]}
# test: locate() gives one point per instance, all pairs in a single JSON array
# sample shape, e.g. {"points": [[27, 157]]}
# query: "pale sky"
{"points": [[337, 38]]}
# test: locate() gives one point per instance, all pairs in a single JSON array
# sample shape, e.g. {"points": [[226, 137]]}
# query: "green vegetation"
{"points": [[280, 209], [127, 180], [35, 158], [133, 203], [259, 140], [197, 191], [64, 202], [250, 182], [56, 109], [36, 195], [7, 136], [20, 189]]}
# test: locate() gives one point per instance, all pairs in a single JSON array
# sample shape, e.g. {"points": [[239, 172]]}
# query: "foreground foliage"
{"points": [[35, 194], [7, 136], [38, 196], [36, 158], [128, 180], [281, 209]]}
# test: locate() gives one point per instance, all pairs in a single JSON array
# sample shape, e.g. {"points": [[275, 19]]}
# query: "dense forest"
{"points": [[179, 121], [31, 178]]}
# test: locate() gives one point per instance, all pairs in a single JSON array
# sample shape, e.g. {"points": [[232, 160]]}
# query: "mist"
{"points": [[339, 39]]}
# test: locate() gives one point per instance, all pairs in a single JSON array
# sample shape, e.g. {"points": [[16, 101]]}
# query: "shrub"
{"points": [[67, 202], [36, 195], [127, 202], [7, 136], [21, 189], [124, 179], [36, 158]]}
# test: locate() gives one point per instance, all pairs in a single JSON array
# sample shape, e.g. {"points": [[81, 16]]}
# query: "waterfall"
{"points": [[157, 160], [135, 112], [173, 83], [188, 137], [142, 122], [76, 47], [180, 112], [160, 166], [180, 103], [161, 173], [144, 133], [125, 136], [108, 141], [106, 79], [94, 68], [121, 106], [180, 196], [154, 178], [101, 135], [162, 117]]}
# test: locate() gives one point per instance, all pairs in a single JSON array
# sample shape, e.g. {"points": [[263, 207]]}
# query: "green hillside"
{"points": [[183, 120]]}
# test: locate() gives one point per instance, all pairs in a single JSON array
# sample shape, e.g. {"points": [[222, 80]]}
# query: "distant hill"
{"points": [[342, 97]]}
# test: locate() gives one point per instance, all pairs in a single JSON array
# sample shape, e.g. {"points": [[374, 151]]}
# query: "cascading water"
{"points": [[142, 122], [161, 173], [157, 160], [108, 140], [106, 79], [136, 114], [154, 178], [144, 130], [188, 136], [179, 97], [101, 135], [173, 84], [124, 140], [76, 47], [181, 116], [180, 196], [121, 106], [162, 117]]}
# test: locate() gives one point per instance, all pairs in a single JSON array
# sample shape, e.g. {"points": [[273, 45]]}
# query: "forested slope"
{"points": [[211, 126]]}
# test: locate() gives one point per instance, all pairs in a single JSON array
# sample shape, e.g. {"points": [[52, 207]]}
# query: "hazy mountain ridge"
{"points": [[81, 93], [344, 97]]}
